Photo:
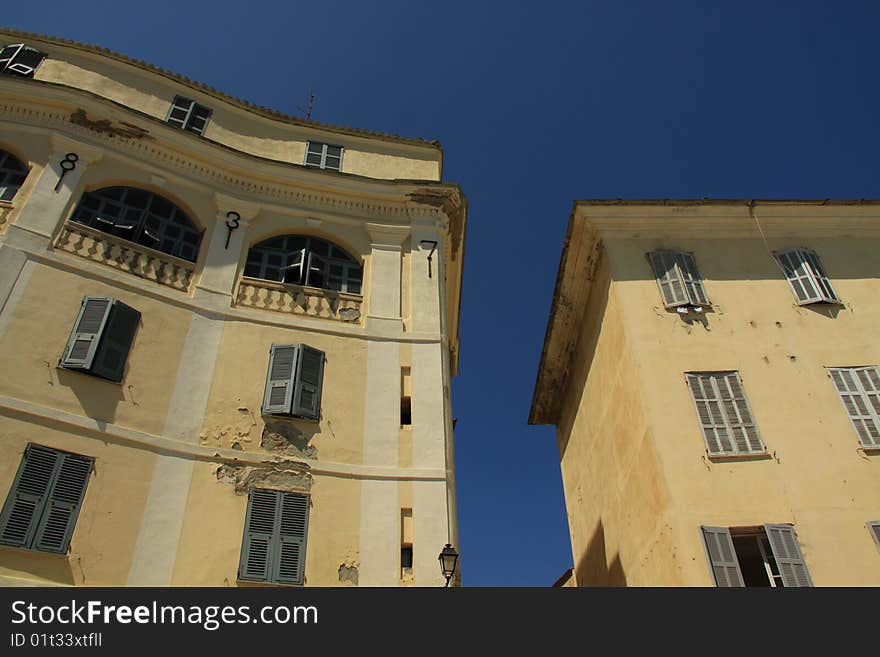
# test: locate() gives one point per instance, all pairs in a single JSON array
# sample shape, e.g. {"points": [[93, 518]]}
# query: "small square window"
{"points": [[324, 156], [186, 114], [19, 59]]}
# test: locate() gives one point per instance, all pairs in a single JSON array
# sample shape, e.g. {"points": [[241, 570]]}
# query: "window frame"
{"points": [[274, 548], [109, 338], [813, 272], [324, 148], [784, 548], [730, 427], [687, 275], [873, 414], [186, 124], [9, 66]]}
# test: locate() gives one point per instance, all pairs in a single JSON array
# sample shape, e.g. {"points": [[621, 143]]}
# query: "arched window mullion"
{"points": [[303, 260]]}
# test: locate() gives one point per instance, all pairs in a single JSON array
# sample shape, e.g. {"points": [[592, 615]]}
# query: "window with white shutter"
{"points": [[766, 555], [679, 280], [806, 276], [42, 507], [274, 544], [324, 156], [187, 114], [859, 390], [101, 338], [724, 414], [294, 381]]}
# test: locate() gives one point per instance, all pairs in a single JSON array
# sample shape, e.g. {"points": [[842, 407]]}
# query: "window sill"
{"points": [[34, 552], [870, 451], [729, 458], [246, 583]]}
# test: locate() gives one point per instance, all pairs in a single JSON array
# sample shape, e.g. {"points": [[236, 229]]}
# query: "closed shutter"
{"points": [[725, 417], [87, 330], [787, 553], [259, 535], [278, 396], [293, 529], [874, 528], [859, 390], [739, 415], [116, 341], [63, 505], [309, 381], [668, 277], [722, 557], [27, 498]]}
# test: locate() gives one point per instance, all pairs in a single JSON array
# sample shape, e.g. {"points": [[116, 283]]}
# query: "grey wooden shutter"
{"points": [[83, 342], [820, 278], [116, 341], [788, 555], [859, 390], [722, 557], [668, 276], [278, 396], [739, 415], [874, 528], [309, 381], [27, 498], [293, 530], [64, 501], [725, 417], [259, 542], [693, 284], [798, 274]]}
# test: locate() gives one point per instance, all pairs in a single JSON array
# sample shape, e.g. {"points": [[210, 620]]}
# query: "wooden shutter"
{"points": [[820, 278], [278, 396], [796, 264], [693, 284], [116, 341], [292, 533], [87, 330], [27, 498], [722, 557], [669, 279], [874, 528], [788, 555], [723, 411], [62, 507], [309, 381], [259, 535], [739, 415], [859, 390]]}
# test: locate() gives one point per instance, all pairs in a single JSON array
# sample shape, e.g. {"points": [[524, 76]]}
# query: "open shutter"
{"points": [[874, 528], [83, 342], [64, 502], [259, 543], [820, 278], [27, 498], [293, 272], [116, 341], [859, 390], [278, 396], [668, 277], [693, 284], [290, 560], [797, 273], [722, 557], [788, 555], [309, 380]]}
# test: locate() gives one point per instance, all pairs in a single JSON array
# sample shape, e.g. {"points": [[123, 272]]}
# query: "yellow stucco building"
{"points": [[227, 335], [711, 368]]}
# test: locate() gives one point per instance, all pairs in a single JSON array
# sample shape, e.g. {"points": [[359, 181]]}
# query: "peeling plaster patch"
{"points": [[288, 476], [105, 126], [286, 438], [348, 572]]}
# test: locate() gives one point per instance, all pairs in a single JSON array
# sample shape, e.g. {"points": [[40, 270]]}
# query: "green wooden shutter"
{"points": [[64, 501], [278, 396], [788, 555], [259, 543], [116, 341], [27, 498], [83, 342], [693, 283], [668, 278], [309, 381], [293, 530], [722, 557]]}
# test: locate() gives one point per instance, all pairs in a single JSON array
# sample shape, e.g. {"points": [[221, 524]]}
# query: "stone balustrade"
{"points": [[299, 300], [126, 256], [5, 211]]}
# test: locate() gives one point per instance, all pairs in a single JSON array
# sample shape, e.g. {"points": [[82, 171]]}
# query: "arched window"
{"points": [[12, 174], [302, 260], [140, 216]]}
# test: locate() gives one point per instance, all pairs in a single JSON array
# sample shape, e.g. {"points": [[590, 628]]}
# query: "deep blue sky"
{"points": [[536, 104]]}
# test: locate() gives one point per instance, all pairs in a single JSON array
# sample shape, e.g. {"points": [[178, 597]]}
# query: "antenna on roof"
{"points": [[308, 112]]}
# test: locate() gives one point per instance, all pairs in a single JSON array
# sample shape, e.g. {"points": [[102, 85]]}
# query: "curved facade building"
{"points": [[227, 335]]}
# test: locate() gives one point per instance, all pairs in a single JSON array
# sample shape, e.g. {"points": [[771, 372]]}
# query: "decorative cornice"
{"points": [[385, 236]]}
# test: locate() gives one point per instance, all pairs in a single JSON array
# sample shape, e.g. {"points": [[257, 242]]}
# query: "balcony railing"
{"points": [[299, 300], [5, 211], [126, 256]]}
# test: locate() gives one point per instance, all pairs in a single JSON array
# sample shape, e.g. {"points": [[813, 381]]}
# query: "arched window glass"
{"points": [[140, 216], [12, 175], [302, 260]]}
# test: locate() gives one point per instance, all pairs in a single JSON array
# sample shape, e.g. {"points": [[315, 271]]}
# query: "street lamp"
{"points": [[448, 561]]}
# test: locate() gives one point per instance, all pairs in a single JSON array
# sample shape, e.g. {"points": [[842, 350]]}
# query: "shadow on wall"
{"points": [[592, 568], [52, 568], [98, 397]]}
